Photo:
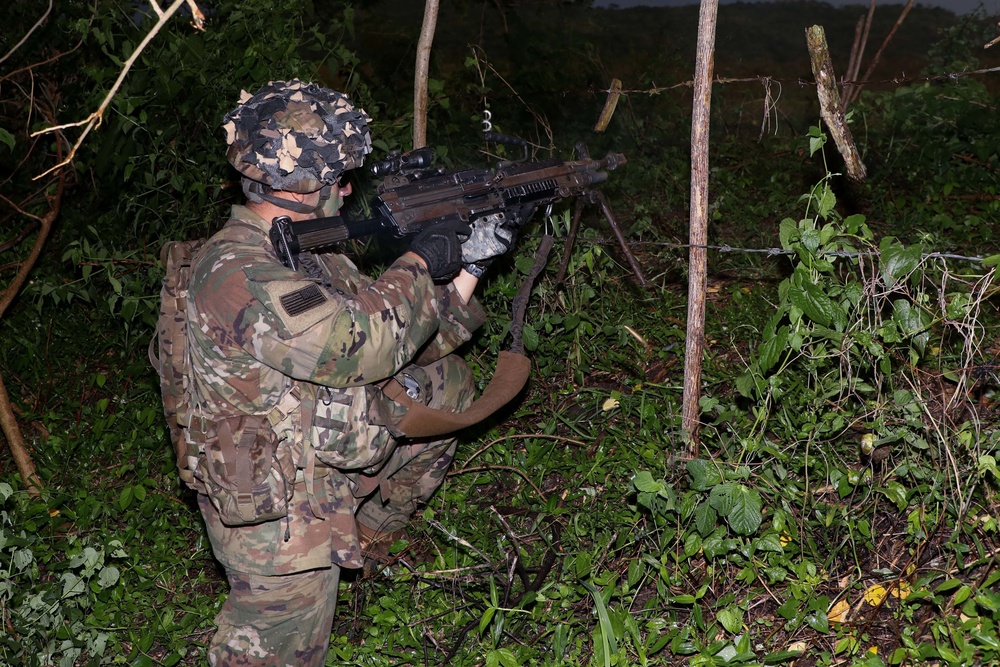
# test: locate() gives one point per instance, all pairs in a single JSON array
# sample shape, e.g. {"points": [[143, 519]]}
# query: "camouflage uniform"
{"points": [[260, 333]]}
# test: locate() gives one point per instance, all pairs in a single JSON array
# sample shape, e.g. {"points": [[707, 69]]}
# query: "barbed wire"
{"points": [[773, 252], [901, 79]]}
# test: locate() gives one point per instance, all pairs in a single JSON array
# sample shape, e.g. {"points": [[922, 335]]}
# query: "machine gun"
{"points": [[414, 195]]}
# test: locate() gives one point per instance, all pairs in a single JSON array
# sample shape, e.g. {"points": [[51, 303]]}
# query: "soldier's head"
{"points": [[292, 142]]}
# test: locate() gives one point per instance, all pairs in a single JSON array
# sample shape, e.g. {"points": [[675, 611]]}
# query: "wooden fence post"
{"points": [[830, 106], [421, 71], [698, 234]]}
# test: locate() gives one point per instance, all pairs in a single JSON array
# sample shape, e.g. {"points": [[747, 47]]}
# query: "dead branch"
{"points": [[856, 88], [94, 119], [24, 39], [8, 420], [850, 90]]}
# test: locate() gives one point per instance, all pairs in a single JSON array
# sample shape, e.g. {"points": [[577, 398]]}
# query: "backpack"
{"points": [[235, 460]]}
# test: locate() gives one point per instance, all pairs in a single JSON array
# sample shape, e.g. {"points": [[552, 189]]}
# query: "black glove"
{"points": [[441, 248]]}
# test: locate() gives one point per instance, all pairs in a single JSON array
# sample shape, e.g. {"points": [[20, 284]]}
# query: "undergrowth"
{"points": [[843, 509]]}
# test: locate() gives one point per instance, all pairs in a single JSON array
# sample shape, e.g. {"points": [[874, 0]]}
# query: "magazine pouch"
{"points": [[248, 475]]}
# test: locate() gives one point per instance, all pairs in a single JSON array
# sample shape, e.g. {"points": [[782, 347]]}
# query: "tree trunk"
{"points": [[698, 254], [421, 73]]}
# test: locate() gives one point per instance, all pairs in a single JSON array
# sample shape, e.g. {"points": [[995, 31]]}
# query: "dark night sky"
{"points": [[958, 6]]}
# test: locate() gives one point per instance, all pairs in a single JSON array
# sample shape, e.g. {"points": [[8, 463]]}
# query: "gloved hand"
{"points": [[491, 237], [441, 248]]}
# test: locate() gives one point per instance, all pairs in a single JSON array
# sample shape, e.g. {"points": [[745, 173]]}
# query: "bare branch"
{"points": [[28, 34], [94, 120]]}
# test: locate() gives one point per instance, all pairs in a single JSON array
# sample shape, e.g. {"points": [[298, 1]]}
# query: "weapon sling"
{"points": [[513, 368]]}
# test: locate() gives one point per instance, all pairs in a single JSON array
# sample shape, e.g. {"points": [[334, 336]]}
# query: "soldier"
{"points": [[291, 436]]}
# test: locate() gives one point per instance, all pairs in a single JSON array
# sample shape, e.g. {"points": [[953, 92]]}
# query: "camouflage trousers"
{"points": [[282, 621], [416, 469]]}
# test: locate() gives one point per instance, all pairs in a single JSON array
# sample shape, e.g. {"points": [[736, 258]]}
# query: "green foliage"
{"points": [[849, 433]]}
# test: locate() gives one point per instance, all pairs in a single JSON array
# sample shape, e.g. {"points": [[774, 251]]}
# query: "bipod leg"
{"points": [[632, 262], [570, 240]]}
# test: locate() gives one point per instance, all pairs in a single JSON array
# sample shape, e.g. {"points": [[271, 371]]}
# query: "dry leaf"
{"points": [[875, 595], [838, 613]]}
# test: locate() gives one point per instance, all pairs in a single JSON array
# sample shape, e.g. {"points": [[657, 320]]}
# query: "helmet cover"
{"points": [[296, 136]]}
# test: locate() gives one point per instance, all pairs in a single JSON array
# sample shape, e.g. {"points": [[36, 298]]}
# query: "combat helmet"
{"points": [[295, 136]]}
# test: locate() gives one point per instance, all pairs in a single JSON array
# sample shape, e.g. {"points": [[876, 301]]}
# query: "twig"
{"points": [[518, 472], [458, 539], [850, 90], [878, 54], [28, 34], [523, 436]]}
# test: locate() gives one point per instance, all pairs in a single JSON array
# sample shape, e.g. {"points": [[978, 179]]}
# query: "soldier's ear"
{"points": [[346, 189]]}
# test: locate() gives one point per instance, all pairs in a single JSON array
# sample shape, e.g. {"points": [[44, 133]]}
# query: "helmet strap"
{"points": [[257, 193]]}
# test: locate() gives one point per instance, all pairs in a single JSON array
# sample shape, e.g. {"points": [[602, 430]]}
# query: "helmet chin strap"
{"points": [[257, 193]]}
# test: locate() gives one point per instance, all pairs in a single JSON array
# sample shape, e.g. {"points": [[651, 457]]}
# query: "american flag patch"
{"points": [[301, 300]]}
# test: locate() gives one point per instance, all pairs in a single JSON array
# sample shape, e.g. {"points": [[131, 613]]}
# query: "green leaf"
{"points": [[745, 515], [816, 141], [896, 493], [721, 498], [788, 229], [898, 261], [704, 519], [72, 584], [704, 474], [781, 656], [7, 138], [484, 621], [731, 619], [125, 498], [770, 542], [992, 260], [989, 641], [827, 201], [643, 481], [811, 300], [608, 640], [772, 349], [584, 565], [108, 576], [530, 338], [740, 505]]}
